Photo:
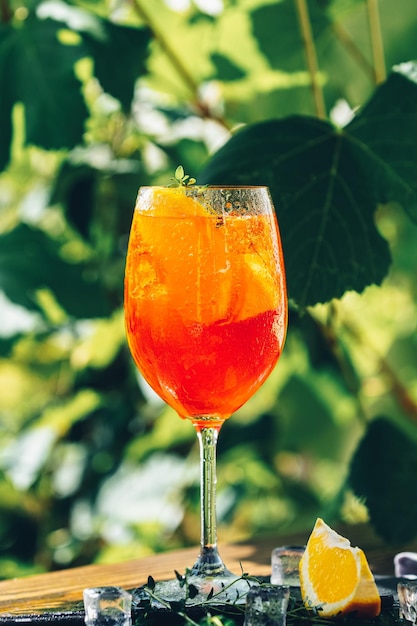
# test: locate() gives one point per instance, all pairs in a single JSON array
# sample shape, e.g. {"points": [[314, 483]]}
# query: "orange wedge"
{"points": [[172, 202], [335, 578]]}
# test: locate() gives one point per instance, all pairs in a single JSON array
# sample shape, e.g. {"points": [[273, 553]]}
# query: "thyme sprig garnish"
{"points": [[215, 607], [181, 179], [214, 610]]}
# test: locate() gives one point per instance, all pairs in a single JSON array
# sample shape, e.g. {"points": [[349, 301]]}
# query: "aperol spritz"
{"points": [[206, 313]]}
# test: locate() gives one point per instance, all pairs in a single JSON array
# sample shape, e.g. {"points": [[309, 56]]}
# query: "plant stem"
{"points": [[311, 56], [356, 54], [180, 67], [377, 43], [166, 47]]}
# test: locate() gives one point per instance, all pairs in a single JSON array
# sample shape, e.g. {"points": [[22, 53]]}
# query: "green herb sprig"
{"points": [[212, 610], [209, 611], [181, 179]]}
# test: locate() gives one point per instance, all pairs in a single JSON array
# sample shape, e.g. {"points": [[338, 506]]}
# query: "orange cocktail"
{"points": [[205, 300], [206, 316]]}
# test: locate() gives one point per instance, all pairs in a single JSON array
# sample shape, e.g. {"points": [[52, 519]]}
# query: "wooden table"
{"points": [[35, 594]]}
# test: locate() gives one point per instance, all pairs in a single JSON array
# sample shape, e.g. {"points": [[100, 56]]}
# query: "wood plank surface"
{"points": [[54, 590]]}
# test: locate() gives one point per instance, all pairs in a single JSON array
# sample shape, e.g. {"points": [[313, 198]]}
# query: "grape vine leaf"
{"points": [[37, 69], [327, 183], [382, 472], [30, 260]]}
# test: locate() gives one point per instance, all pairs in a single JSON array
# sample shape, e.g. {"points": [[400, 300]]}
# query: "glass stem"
{"points": [[209, 562]]}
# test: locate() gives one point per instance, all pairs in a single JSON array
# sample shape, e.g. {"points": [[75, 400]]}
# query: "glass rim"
{"points": [[197, 186]]}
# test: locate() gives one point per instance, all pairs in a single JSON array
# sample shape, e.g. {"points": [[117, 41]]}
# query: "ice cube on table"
{"points": [[107, 606], [407, 599]]}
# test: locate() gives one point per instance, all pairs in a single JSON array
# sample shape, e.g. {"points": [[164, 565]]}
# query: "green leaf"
{"points": [[29, 260], [383, 472], [326, 184], [324, 208], [193, 592], [78, 188], [179, 577], [7, 93], [38, 70], [179, 173], [384, 135], [43, 79], [225, 68], [119, 59], [276, 28], [75, 188], [119, 51]]}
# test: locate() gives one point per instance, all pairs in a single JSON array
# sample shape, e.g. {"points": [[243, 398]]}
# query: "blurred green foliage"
{"points": [[98, 98]]}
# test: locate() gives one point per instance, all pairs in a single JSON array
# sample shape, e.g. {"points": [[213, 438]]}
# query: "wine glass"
{"points": [[206, 319]]}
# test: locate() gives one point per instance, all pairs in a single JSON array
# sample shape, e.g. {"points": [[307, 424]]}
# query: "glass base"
{"points": [[204, 591]]}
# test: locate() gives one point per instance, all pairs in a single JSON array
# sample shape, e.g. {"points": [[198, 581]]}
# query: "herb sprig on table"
{"points": [[152, 610], [209, 611]]}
